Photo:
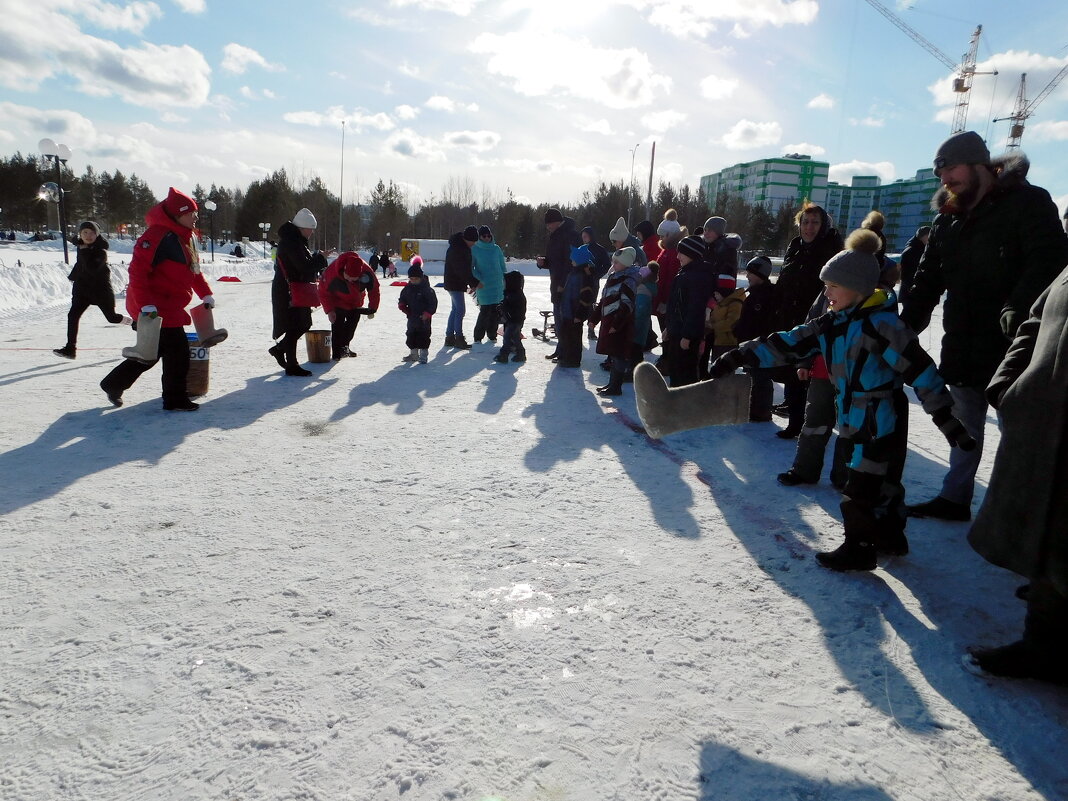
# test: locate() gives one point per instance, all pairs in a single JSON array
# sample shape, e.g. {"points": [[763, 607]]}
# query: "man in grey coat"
{"points": [[1023, 522]]}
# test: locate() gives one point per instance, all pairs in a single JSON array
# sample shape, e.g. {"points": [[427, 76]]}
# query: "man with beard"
{"points": [[995, 245]]}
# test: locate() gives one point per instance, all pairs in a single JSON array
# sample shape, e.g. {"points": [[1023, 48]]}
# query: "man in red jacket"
{"points": [[344, 287], [164, 273]]}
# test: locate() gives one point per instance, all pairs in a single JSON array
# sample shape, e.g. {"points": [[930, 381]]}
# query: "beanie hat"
{"points": [[484, 230], [717, 224], [693, 246], [581, 255], [178, 203], [415, 271], [726, 283], [553, 215], [624, 256], [90, 225], [924, 230], [471, 233], [963, 147], [354, 266], [417, 261], [619, 232], [668, 227], [644, 229], [760, 265], [304, 219], [856, 267]]}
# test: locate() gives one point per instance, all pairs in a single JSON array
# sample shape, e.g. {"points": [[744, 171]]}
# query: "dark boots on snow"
{"points": [[850, 555]]}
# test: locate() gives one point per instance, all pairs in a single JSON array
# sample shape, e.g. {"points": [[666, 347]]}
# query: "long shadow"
{"points": [[81, 443], [726, 775], [571, 421], [63, 366], [500, 386]]}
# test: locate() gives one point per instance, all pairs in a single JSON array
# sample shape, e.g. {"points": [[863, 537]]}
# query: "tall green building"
{"points": [[778, 182], [905, 203]]}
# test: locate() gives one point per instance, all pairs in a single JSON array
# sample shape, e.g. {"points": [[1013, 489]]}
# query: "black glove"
{"points": [[727, 363], [953, 430]]}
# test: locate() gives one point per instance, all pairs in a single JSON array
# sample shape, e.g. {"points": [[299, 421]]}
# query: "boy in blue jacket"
{"points": [[870, 354]]}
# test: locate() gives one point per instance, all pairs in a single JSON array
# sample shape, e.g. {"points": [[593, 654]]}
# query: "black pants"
{"points": [[795, 393], [174, 351], [343, 329], [569, 341], [682, 364], [487, 321], [298, 323], [79, 303], [417, 335], [512, 341]]}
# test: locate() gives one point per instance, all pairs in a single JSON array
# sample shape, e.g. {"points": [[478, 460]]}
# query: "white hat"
{"points": [[304, 219], [668, 228], [619, 232]]}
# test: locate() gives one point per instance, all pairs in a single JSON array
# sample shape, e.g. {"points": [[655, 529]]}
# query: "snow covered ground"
{"points": [[461, 580]]}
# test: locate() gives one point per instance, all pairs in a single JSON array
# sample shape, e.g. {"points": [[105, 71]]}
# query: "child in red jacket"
{"points": [[345, 286]]}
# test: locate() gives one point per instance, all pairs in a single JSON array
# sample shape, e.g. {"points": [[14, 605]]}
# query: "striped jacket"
{"points": [[869, 354]]}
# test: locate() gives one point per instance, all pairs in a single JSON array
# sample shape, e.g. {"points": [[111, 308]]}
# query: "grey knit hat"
{"points": [[964, 147], [717, 224], [91, 225], [852, 269], [761, 265]]}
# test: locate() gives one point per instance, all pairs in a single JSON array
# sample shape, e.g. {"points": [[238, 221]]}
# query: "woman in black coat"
{"points": [[294, 263], [92, 285]]}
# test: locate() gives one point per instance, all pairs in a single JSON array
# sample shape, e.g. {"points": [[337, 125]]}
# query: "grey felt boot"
{"points": [[663, 411]]}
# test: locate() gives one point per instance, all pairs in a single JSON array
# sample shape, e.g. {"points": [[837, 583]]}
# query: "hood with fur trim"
{"points": [[1010, 171]]}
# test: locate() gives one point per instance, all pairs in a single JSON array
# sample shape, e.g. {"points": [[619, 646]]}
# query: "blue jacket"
{"points": [[869, 353], [487, 266]]}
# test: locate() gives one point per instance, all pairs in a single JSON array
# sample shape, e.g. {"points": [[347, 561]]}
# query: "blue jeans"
{"points": [[970, 407], [455, 325]]}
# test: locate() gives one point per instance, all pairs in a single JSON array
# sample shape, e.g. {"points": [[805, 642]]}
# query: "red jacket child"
{"points": [[337, 290]]}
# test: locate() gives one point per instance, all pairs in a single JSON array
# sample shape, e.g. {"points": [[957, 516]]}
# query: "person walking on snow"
{"points": [[418, 301], [457, 281], [294, 264], [346, 285], [487, 268]]}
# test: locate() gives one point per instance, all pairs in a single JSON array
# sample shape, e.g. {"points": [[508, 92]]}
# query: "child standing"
{"points": [[419, 301], [513, 313], [92, 285], [576, 300], [643, 312], [615, 313], [870, 353], [757, 320], [685, 315], [724, 310]]}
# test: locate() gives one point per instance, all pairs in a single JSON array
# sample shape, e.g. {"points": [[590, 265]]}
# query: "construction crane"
{"points": [[965, 70], [1023, 110]]}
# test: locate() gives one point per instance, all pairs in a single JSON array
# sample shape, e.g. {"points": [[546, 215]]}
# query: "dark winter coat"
{"points": [[165, 270], [758, 313], [300, 265], [799, 279], [722, 255], [993, 262], [640, 259], [616, 312], [578, 295], [602, 259], [1023, 522], [336, 292], [91, 274], [514, 305], [910, 261], [414, 301], [458, 260], [690, 291], [558, 256]]}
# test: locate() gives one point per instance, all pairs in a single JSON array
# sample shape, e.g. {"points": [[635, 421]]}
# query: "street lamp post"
{"points": [[630, 186], [59, 154], [265, 227], [210, 206]]}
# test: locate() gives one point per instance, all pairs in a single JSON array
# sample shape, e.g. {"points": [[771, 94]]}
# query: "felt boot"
{"points": [[204, 323], [146, 350], [663, 411]]}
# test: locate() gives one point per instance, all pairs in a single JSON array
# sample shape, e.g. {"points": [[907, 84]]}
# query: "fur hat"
{"points": [[581, 255], [717, 224], [856, 267], [694, 247], [91, 225], [624, 256], [305, 219], [471, 233], [619, 232], [178, 203], [963, 147], [553, 216], [759, 265], [484, 230]]}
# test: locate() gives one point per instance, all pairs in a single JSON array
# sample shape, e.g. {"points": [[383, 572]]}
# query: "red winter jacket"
{"points": [[668, 259], [165, 270], [335, 292]]}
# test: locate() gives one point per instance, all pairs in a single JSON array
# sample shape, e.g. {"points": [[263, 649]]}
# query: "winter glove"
{"points": [[427, 316], [208, 301], [727, 363], [332, 317], [953, 430], [1008, 323], [150, 311]]}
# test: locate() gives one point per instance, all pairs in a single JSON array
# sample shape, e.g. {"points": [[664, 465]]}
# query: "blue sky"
{"points": [[543, 99]]}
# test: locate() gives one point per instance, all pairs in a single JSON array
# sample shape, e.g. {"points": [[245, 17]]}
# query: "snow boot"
{"points": [[279, 357], [114, 395], [501, 358], [146, 350], [450, 340], [204, 323], [413, 355], [297, 370], [850, 555], [663, 411], [181, 405], [461, 343], [423, 355], [67, 351], [1018, 660], [519, 356], [614, 387]]}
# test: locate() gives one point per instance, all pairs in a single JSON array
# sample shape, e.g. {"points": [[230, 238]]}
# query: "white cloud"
{"points": [[237, 58], [867, 122], [66, 127], [409, 144], [358, 119], [192, 6], [246, 92], [661, 121], [267, 93], [373, 18], [699, 19], [748, 135], [172, 118], [406, 112], [442, 103], [600, 126], [1048, 131], [843, 173], [411, 70], [478, 141], [804, 148], [821, 101], [713, 87], [461, 8], [544, 166], [620, 78]]}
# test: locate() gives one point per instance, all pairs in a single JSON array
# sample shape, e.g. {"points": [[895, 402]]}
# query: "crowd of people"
{"points": [[837, 328]]}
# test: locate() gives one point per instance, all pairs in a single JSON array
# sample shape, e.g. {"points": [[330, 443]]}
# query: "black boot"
{"points": [[67, 351], [850, 555], [614, 386], [279, 357]]}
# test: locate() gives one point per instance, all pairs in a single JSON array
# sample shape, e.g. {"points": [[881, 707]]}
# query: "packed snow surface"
{"points": [[461, 580]]}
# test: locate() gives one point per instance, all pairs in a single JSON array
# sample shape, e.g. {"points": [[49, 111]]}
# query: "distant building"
{"points": [[778, 182], [906, 204]]}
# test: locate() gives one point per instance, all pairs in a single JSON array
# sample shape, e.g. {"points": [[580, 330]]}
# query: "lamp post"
{"points": [[59, 154], [630, 186], [341, 191], [265, 227], [210, 206]]}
